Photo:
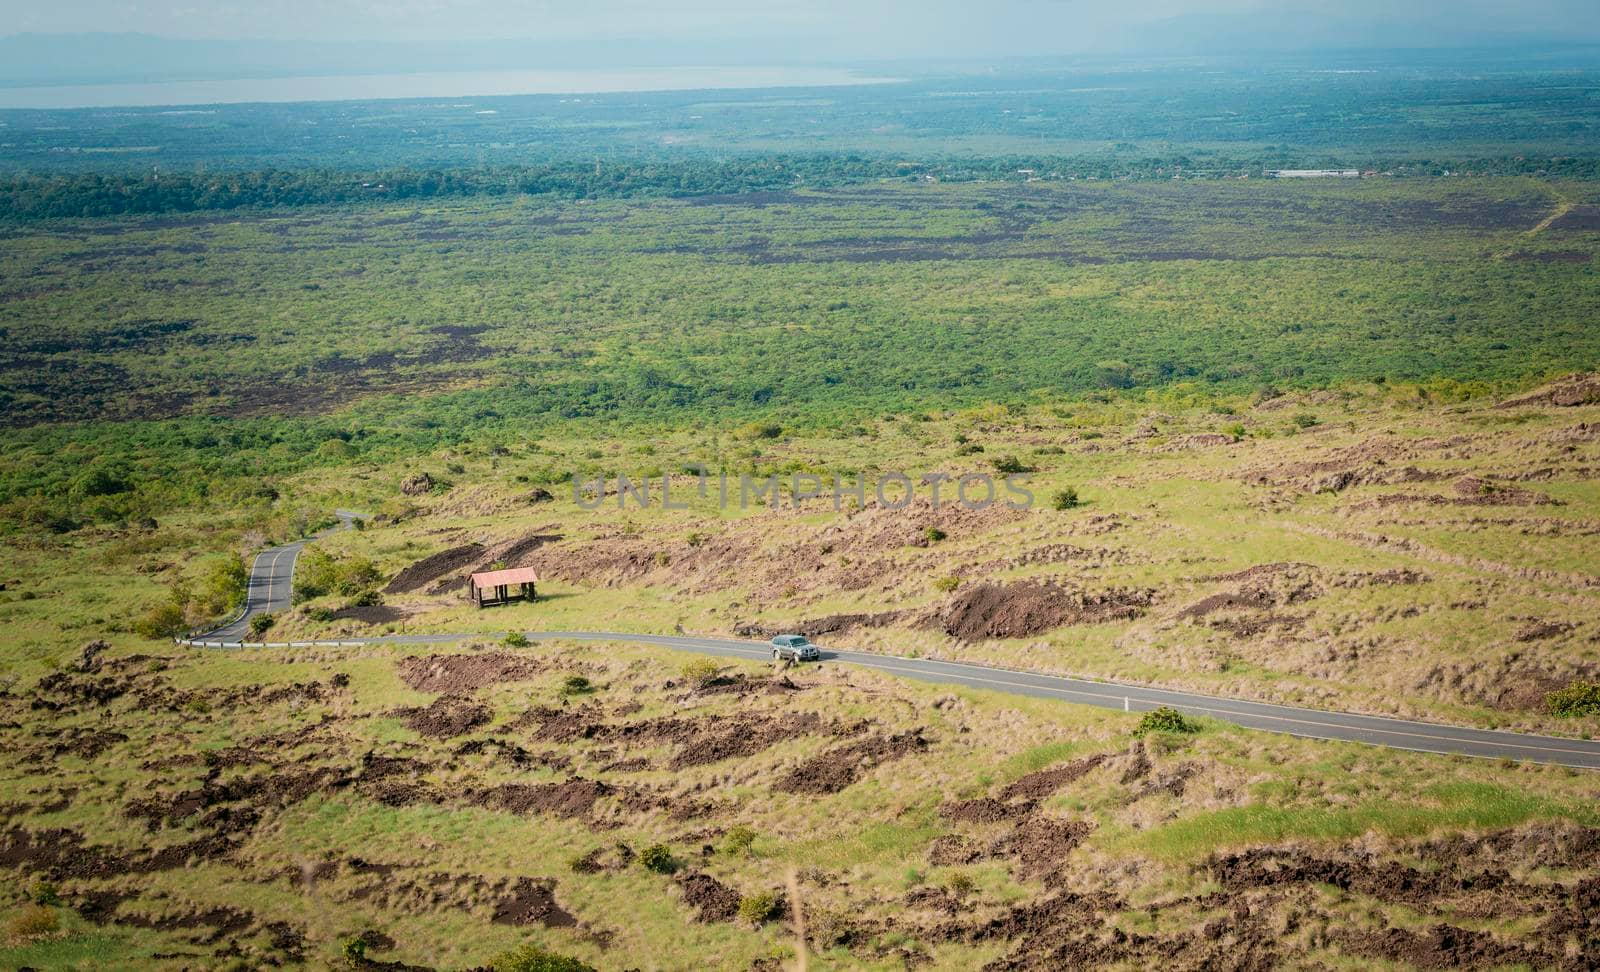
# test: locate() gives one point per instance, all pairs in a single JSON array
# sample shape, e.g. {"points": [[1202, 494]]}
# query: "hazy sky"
{"points": [[855, 28]]}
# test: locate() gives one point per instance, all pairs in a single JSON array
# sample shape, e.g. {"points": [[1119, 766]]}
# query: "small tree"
{"points": [[260, 623], [576, 685], [164, 620], [1165, 719], [700, 671], [1577, 699], [738, 839], [532, 958], [516, 639], [758, 908], [658, 858], [1065, 499]]}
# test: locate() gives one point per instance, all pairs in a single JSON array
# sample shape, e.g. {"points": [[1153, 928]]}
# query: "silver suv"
{"points": [[793, 647]]}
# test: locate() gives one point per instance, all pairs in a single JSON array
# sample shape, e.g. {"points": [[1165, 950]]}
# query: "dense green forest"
{"points": [[153, 362]]}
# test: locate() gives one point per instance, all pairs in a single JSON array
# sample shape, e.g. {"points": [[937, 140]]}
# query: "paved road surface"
{"points": [[271, 584], [275, 566]]}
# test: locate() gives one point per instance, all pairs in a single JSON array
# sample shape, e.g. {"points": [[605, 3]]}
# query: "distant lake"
{"points": [[442, 84]]}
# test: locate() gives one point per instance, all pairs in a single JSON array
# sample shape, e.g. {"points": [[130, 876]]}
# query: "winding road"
{"points": [[271, 576]]}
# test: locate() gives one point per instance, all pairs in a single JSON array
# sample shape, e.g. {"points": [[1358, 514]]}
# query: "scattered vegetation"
{"points": [[1165, 719], [756, 909], [658, 858], [1577, 699], [533, 958]]}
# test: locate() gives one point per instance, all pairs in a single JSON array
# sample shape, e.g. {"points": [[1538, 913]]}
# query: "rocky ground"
{"points": [[187, 810]]}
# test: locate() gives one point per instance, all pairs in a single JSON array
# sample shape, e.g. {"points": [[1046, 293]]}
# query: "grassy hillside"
{"points": [[1368, 548]]}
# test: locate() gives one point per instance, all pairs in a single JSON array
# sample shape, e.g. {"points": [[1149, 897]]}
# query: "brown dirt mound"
{"points": [[1259, 588], [836, 769], [1568, 392], [431, 568], [817, 627], [564, 725], [447, 716], [573, 798], [1041, 844], [1446, 947], [371, 614], [953, 850], [1484, 492], [459, 674], [532, 903], [711, 899], [985, 810], [1037, 786], [741, 737], [1029, 608]]}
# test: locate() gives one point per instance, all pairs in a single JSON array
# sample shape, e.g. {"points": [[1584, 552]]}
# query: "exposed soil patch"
{"points": [[371, 614], [985, 810], [1445, 947], [837, 768], [817, 627], [1261, 587], [460, 674], [1485, 492], [1030, 607], [711, 899], [1568, 392], [1037, 786], [447, 716], [1041, 844], [573, 798], [532, 903], [431, 568], [741, 737]]}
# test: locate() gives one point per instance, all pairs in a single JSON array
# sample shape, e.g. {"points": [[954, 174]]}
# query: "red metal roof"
{"points": [[495, 578]]}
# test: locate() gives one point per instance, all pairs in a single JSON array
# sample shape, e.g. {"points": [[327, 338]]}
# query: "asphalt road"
{"points": [[271, 583], [269, 586]]}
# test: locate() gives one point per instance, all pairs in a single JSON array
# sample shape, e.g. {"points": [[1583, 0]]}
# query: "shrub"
{"points": [[947, 584], [1236, 430], [160, 622], [960, 884], [1165, 719], [968, 449], [757, 908], [700, 670], [43, 893], [321, 614], [576, 685], [697, 538], [532, 958], [516, 639], [933, 534], [1577, 699], [354, 951], [33, 922], [658, 858], [1064, 499], [1306, 420], [260, 623], [1010, 465], [367, 598], [738, 839]]}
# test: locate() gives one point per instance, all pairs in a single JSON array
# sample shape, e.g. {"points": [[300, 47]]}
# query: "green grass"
{"points": [[1445, 806]]}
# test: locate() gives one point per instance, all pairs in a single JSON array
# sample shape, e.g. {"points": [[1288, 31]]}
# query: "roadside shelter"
{"points": [[491, 587]]}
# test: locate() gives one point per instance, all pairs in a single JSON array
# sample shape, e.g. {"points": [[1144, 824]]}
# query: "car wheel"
{"points": [[775, 654]]}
